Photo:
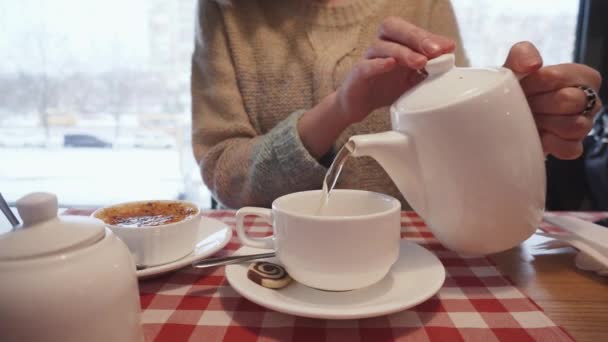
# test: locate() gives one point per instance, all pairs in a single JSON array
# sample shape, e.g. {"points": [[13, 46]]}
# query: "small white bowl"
{"points": [[159, 244]]}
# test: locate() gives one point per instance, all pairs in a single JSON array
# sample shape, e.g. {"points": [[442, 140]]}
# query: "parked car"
{"points": [[84, 140]]}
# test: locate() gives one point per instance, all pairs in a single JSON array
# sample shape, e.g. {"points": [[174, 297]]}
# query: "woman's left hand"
{"points": [[555, 99]]}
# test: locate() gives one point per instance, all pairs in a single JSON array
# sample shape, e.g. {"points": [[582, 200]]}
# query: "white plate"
{"points": [[414, 278], [213, 235]]}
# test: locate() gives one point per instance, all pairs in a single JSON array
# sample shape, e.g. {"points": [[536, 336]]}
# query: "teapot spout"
{"points": [[396, 153]]}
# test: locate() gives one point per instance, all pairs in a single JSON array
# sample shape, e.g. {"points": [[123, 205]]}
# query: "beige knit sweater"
{"points": [[259, 65]]}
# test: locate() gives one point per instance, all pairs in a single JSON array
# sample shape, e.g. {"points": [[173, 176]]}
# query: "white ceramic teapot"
{"points": [[65, 278], [466, 155]]}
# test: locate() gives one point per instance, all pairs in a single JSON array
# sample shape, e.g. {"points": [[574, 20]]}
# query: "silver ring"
{"points": [[591, 99]]}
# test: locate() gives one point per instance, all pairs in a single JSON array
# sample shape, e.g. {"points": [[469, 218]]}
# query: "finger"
{"points": [[523, 59], [561, 148], [400, 31], [564, 101], [573, 127], [402, 54], [559, 76], [369, 68]]}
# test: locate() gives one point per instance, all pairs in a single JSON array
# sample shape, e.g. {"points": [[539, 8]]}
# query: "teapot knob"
{"points": [[37, 207], [440, 65]]}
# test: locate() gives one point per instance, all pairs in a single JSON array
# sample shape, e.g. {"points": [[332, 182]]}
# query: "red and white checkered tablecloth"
{"points": [[476, 303]]}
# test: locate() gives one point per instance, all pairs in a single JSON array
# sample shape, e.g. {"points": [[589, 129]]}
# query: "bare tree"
{"points": [[119, 94], [36, 44]]}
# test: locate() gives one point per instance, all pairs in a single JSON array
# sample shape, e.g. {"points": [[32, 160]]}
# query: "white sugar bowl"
{"points": [[65, 278]]}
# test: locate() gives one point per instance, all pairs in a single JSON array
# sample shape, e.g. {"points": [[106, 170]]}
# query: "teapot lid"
{"points": [[44, 233], [446, 85]]}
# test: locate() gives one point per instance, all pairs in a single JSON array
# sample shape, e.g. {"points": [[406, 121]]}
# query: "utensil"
{"points": [[206, 263], [465, 153], [8, 212]]}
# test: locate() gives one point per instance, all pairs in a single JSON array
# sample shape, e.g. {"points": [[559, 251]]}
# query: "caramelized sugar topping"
{"points": [[147, 214]]}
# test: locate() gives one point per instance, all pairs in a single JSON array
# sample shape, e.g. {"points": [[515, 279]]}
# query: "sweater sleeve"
{"points": [[443, 21], [239, 165]]}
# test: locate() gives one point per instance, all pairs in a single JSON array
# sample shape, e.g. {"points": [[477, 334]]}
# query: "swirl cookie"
{"points": [[268, 275]]}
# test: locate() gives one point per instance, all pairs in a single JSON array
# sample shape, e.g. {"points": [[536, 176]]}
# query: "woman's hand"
{"points": [[387, 70], [389, 67], [555, 99]]}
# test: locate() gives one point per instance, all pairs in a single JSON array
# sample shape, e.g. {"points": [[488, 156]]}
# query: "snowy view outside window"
{"points": [[490, 27], [94, 95], [94, 100]]}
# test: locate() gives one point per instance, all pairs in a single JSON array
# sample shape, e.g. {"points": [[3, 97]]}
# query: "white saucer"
{"points": [[213, 235], [414, 278]]}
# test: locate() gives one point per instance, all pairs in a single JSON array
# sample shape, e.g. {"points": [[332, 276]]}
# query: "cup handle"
{"points": [[265, 214]]}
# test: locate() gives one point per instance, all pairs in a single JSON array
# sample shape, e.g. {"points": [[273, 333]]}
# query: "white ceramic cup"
{"points": [[351, 246], [162, 244]]}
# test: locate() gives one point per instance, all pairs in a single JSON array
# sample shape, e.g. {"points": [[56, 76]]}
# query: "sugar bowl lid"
{"points": [[45, 233]]}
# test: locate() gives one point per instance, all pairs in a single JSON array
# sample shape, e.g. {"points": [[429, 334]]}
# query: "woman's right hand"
{"points": [[389, 68]]}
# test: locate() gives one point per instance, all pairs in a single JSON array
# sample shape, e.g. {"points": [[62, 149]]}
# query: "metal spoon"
{"points": [[230, 260], [8, 212]]}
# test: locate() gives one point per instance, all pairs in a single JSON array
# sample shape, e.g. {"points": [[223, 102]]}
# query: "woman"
{"points": [[279, 86]]}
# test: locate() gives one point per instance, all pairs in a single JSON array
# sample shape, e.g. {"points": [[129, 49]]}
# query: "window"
{"points": [[94, 95], [592, 39], [490, 28], [94, 100]]}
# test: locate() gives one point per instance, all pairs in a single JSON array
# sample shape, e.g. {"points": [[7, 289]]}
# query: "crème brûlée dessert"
{"points": [[146, 214]]}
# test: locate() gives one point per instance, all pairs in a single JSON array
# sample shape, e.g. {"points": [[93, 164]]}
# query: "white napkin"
{"points": [[588, 263], [589, 238]]}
